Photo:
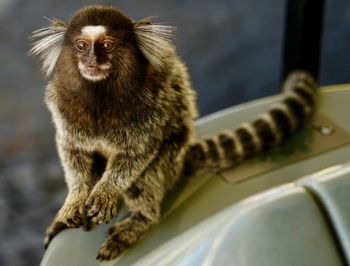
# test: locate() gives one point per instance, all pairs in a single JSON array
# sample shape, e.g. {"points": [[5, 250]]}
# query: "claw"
{"points": [[100, 209], [52, 231]]}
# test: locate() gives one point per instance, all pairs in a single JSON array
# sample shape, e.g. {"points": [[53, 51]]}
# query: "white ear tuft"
{"points": [[48, 44], [154, 41]]}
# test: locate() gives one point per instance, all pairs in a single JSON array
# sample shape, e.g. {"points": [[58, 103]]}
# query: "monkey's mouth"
{"points": [[94, 73]]}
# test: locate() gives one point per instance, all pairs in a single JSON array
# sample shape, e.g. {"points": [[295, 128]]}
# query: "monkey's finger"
{"points": [[52, 231], [91, 206], [91, 216], [74, 222], [92, 213]]}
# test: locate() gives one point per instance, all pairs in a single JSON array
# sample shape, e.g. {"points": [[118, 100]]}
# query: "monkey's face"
{"points": [[94, 50], [101, 43]]}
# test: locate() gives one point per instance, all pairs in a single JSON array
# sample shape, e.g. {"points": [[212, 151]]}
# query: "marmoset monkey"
{"points": [[123, 108]]}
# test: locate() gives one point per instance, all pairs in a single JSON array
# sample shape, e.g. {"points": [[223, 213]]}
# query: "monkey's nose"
{"points": [[90, 61]]}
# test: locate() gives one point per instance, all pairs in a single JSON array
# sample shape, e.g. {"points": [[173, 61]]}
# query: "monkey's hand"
{"points": [[101, 206], [71, 214]]}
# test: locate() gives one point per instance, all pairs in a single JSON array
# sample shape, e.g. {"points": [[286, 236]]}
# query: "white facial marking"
{"points": [[93, 31], [100, 71]]}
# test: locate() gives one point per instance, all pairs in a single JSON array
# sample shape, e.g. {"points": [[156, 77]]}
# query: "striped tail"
{"points": [[227, 148]]}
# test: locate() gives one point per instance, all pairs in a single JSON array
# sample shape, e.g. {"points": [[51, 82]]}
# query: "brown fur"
{"points": [[130, 134]]}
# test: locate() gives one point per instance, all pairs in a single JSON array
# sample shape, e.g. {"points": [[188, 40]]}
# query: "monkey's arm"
{"points": [[121, 172], [144, 197], [77, 165]]}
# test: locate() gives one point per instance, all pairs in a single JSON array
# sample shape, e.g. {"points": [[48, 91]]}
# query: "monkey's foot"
{"points": [[123, 235], [113, 246], [101, 207], [54, 228]]}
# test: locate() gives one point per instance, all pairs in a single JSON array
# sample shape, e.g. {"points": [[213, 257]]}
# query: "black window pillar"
{"points": [[302, 36]]}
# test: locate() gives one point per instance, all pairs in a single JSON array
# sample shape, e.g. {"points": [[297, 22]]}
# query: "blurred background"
{"points": [[233, 50]]}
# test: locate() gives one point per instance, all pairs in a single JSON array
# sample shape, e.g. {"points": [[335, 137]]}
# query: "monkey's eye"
{"points": [[81, 45], [107, 45]]}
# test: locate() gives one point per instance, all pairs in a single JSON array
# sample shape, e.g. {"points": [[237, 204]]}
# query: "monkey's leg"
{"points": [[144, 200], [77, 166], [121, 172]]}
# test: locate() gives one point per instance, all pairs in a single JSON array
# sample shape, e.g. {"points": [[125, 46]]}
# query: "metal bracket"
{"points": [[320, 136]]}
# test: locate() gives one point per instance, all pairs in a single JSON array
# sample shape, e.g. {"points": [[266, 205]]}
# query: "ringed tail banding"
{"points": [[229, 147]]}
